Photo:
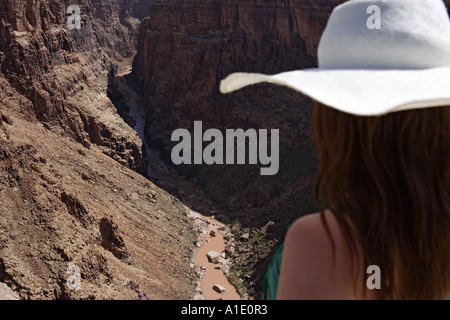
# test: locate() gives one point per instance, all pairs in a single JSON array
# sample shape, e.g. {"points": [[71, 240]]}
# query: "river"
{"points": [[211, 229]]}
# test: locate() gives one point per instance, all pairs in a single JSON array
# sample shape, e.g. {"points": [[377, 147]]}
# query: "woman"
{"points": [[381, 124]]}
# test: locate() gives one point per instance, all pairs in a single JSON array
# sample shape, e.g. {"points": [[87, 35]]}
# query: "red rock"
{"points": [[46, 67], [218, 288]]}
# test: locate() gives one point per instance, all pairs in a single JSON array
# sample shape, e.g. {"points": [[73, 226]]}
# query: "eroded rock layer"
{"points": [[69, 202]]}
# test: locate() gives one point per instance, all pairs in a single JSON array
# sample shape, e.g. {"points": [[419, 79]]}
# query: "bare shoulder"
{"points": [[309, 234], [308, 269], [311, 227]]}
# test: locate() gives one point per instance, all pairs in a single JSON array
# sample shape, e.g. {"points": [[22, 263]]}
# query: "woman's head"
{"points": [[387, 180]]}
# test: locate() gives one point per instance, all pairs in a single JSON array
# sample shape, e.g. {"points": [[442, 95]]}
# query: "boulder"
{"points": [[7, 119], [229, 249], [267, 227], [213, 256], [245, 236], [7, 294], [218, 288]]}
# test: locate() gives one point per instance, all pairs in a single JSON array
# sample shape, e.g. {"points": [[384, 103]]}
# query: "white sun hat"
{"points": [[375, 57]]}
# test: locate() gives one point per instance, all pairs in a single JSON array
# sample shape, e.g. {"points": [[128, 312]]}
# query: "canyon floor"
{"points": [[213, 283]]}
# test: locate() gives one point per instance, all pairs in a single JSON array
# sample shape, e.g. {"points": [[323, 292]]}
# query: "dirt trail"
{"points": [[196, 205]]}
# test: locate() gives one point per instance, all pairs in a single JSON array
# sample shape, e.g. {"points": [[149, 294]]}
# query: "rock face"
{"points": [[64, 153], [185, 49], [113, 241], [55, 69], [51, 219], [116, 25], [114, 22], [6, 293]]}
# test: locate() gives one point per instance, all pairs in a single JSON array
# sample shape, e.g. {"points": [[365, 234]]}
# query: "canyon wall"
{"points": [[68, 199], [56, 69], [186, 48], [116, 25]]}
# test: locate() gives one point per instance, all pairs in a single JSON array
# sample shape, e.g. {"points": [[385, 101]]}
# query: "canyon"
{"points": [[81, 183], [70, 193]]}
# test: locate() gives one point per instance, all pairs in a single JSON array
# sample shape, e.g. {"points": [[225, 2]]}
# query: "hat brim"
{"points": [[359, 92]]}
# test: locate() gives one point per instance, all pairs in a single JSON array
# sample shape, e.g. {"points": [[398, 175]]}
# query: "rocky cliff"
{"points": [[56, 70], [116, 24], [185, 49], [68, 199]]}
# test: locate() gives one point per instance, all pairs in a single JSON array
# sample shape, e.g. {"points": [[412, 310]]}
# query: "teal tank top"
{"points": [[270, 284]]}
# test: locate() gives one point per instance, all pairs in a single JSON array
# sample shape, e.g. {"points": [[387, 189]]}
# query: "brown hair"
{"points": [[387, 181]]}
